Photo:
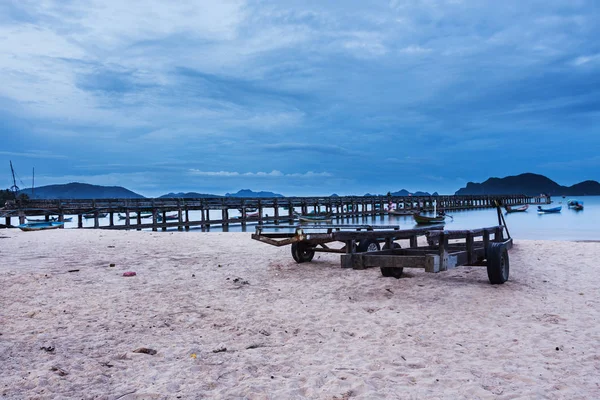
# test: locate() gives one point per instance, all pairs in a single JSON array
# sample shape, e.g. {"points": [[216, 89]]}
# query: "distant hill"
{"points": [[77, 190], [188, 195], [404, 192], [529, 184], [250, 193]]}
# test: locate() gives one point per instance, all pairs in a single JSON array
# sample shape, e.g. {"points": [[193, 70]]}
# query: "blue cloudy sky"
{"points": [[298, 97]]}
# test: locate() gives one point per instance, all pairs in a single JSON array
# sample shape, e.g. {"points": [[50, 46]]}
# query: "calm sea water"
{"points": [[566, 225]]}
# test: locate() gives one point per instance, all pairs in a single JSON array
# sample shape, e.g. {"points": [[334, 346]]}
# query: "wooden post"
{"points": [[79, 220], [470, 252], [413, 241], [443, 251], [164, 220], [260, 213], [111, 219], [180, 212], [127, 219], [187, 218], [154, 220], [486, 241], [276, 210], [225, 216]]}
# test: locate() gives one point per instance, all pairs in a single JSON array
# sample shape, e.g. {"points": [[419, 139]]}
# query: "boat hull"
{"points": [[401, 212], [549, 210], [423, 220], [40, 226], [512, 209], [306, 219], [90, 216]]}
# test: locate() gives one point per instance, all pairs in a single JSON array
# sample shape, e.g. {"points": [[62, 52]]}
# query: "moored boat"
{"points": [[52, 219], [40, 226], [134, 216], [549, 210], [401, 211], [575, 204], [314, 217], [511, 209], [168, 217], [91, 215], [423, 219]]}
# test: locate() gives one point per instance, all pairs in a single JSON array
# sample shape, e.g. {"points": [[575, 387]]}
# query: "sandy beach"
{"points": [[232, 318]]}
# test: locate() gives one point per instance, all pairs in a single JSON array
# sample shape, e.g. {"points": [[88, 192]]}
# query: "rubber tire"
{"points": [[391, 272], [497, 263], [368, 245], [394, 246], [302, 252]]}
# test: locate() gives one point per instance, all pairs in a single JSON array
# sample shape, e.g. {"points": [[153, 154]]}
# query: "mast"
{"points": [[14, 187]]}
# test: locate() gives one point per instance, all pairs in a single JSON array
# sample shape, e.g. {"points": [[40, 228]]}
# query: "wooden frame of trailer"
{"points": [[446, 249]]}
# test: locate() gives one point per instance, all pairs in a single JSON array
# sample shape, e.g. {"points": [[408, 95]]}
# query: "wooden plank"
{"points": [[389, 261]]}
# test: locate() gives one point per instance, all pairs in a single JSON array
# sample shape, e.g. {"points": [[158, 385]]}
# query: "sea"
{"points": [[531, 225]]}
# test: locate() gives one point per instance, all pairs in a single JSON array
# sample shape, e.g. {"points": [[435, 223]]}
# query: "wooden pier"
{"points": [[185, 214]]}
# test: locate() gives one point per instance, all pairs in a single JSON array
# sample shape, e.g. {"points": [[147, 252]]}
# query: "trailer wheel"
{"points": [[302, 252], [368, 245], [497, 263], [394, 246], [390, 272]]}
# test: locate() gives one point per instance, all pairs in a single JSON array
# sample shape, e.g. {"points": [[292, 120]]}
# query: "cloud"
{"points": [[308, 147], [34, 154], [272, 174], [287, 85], [583, 60]]}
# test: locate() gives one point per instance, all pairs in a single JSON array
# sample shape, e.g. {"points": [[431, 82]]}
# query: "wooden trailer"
{"points": [[367, 246]]}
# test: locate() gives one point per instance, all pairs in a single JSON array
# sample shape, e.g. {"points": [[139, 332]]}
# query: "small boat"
{"points": [[52, 219], [38, 220], [549, 210], [248, 209], [40, 226], [575, 204], [314, 217], [423, 219], [91, 215], [134, 216], [168, 217], [400, 211], [511, 209]]}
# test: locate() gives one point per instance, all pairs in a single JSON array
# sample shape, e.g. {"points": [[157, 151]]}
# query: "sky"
{"points": [[298, 97]]}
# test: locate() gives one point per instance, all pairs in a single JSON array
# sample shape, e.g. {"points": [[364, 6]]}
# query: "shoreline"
{"points": [[231, 317]]}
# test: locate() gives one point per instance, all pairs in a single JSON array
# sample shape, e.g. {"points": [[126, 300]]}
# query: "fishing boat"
{"points": [[549, 210], [91, 215], [401, 211], [40, 226], [575, 204], [52, 219], [423, 219], [248, 216], [314, 217], [512, 209], [168, 217], [134, 216]]}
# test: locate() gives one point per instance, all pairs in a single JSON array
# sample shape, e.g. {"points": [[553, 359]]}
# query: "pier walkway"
{"points": [[164, 213]]}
